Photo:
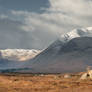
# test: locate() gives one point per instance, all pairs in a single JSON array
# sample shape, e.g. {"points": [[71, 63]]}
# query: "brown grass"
{"points": [[43, 83]]}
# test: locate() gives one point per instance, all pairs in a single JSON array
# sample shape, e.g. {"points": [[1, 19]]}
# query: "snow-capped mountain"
{"points": [[65, 55], [71, 53], [81, 32], [19, 54]]}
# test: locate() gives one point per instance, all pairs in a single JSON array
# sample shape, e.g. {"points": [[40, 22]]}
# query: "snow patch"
{"points": [[82, 32]]}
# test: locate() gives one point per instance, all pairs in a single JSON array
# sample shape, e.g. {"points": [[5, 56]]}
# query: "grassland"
{"points": [[43, 83]]}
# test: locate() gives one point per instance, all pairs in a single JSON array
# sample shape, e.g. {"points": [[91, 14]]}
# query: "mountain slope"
{"points": [[73, 56]]}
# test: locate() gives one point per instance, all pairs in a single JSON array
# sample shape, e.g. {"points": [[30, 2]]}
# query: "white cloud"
{"points": [[78, 7], [3, 16], [77, 12], [62, 15]]}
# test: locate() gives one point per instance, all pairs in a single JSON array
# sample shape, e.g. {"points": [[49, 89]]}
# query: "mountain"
{"points": [[72, 52], [19, 54]]}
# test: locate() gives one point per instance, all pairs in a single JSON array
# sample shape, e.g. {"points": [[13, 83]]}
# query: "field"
{"points": [[43, 83]]}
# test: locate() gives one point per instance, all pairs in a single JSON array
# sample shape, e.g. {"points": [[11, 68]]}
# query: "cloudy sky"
{"points": [[35, 24]]}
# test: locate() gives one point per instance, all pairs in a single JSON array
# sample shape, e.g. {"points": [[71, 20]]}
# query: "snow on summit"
{"points": [[81, 32]]}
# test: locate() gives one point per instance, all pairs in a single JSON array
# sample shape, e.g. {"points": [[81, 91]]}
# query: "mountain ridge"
{"points": [[19, 54]]}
